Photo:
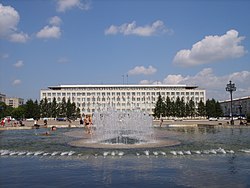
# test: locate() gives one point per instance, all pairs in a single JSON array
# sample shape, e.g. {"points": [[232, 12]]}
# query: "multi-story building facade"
{"points": [[2, 97], [90, 98], [241, 106], [14, 102]]}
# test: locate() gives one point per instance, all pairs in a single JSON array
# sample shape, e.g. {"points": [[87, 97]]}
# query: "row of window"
{"points": [[119, 88], [122, 94], [123, 99]]}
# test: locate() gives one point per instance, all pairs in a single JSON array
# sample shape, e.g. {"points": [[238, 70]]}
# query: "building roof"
{"points": [[59, 87], [236, 99]]}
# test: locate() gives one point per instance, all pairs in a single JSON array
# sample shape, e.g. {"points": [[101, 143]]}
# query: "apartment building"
{"points": [[241, 106], [14, 102]]}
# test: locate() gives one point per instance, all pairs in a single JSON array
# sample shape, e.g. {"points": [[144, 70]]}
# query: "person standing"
{"points": [[3, 122], [161, 122], [35, 124]]}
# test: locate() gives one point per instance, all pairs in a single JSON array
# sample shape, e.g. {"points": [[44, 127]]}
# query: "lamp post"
{"points": [[230, 88]]}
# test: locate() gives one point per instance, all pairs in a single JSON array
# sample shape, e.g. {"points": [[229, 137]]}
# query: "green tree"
{"points": [[187, 109], [78, 112], [168, 107], [159, 107], [5, 110], [218, 109], [201, 108], [211, 108], [54, 109], [71, 110], [44, 108], [18, 113], [178, 107], [192, 108], [182, 108], [36, 110], [63, 108], [29, 109], [173, 108]]}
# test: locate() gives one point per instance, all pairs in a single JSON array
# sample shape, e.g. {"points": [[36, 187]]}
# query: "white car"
{"points": [[30, 119], [213, 119]]}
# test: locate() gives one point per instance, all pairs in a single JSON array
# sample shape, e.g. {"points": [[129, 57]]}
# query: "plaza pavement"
{"points": [[156, 123]]}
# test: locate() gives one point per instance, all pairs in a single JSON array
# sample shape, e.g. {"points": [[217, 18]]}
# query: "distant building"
{"points": [[241, 106], [14, 102], [90, 98], [2, 97]]}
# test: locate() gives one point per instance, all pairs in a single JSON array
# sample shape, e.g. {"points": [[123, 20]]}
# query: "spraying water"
{"points": [[122, 127]]}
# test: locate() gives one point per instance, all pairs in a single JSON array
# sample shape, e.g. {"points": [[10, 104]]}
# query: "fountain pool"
{"points": [[122, 129], [206, 157]]}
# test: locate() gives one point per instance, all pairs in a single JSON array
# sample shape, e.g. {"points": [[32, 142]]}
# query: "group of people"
{"points": [[13, 123], [53, 128], [87, 121]]}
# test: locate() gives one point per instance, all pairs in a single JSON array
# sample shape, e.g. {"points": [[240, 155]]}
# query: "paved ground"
{"points": [[66, 124]]}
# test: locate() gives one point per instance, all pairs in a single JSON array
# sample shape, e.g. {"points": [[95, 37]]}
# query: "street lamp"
{"points": [[230, 88]]}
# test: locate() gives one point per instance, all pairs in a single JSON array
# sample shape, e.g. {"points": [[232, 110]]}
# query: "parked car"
{"points": [[30, 119], [213, 119], [61, 119]]}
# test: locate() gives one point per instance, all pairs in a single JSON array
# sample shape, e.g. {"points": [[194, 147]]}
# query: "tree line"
{"points": [[167, 108], [179, 108], [33, 109]]}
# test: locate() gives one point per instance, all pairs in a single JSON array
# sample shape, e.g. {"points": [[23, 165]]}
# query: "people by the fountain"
{"points": [[161, 122], [45, 122], [35, 124], [21, 123], [81, 121], [3, 122], [88, 123], [47, 133], [53, 128]]}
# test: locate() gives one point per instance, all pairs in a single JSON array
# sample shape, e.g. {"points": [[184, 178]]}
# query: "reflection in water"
{"points": [[129, 171], [85, 169], [232, 168]]}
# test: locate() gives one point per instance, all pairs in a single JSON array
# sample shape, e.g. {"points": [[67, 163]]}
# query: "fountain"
{"points": [[123, 127]]}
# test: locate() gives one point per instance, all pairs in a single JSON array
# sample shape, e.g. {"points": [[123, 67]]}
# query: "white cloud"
{"points": [[63, 5], [19, 64], [9, 19], [55, 21], [212, 49], [214, 85], [142, 70], [49, 32], [146, 82], [19, 37], [16, 82], [155, 28], [52, 30], [173, 79]]}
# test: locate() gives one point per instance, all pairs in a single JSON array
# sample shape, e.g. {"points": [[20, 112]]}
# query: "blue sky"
{"points": [[45, 43]]}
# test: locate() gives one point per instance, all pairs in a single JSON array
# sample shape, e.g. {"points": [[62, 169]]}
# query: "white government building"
{"points": [[90, 98]]}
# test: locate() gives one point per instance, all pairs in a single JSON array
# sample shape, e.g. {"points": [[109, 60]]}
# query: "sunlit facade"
{"points": [[89, 98], [241, 106]]}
